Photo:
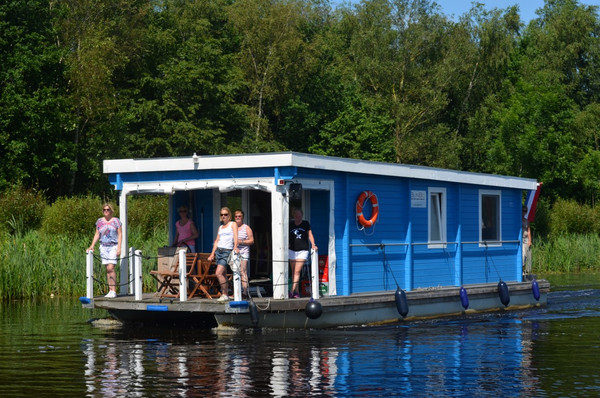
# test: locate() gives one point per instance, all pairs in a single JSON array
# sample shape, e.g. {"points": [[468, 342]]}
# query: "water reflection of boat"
{"points": [[415, 237], [448, 358]]}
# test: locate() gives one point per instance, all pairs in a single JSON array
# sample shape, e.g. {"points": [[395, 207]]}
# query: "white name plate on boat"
{"points": [[418, 199]]}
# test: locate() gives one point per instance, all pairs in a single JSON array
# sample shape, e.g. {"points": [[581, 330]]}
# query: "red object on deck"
{"points": [[323, 268]]}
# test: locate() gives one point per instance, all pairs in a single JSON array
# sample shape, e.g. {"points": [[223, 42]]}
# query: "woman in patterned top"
{"points": [[109, 232]]}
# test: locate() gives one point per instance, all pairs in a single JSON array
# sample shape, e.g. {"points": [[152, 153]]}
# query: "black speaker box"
{"points": [[295, 191]]}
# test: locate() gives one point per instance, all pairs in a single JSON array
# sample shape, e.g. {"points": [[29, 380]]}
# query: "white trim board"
{"points": [[293, 159]]}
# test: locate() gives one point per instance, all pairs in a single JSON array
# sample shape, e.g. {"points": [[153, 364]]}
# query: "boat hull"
{"points": [[338, 311], [380, 308]]}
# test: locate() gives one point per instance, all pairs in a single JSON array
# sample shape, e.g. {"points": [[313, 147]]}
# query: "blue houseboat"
{"points": [[395, 241]]}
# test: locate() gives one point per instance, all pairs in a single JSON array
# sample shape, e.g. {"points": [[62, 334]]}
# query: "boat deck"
{"points": [[150, 302]]}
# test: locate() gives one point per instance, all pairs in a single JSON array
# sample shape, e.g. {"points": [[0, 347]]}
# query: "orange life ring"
{"points": [[360, 202]]}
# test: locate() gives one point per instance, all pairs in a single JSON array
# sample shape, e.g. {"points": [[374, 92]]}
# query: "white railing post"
{"points": [[137, 272], [314, 274], [89, 274], [131, 263], [279, 238], [182, 276], [237, 277]]}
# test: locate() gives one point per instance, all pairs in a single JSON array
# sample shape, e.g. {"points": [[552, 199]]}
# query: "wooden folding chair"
{"points": [[204, 279], [169, 280]]}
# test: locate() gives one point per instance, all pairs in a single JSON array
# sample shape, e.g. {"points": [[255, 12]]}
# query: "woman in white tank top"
{"points": [[226, 241]]}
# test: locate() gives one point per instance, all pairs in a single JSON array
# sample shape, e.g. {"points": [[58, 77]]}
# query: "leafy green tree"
{"points": [[533, 126], [100, 39], [272, 51], [183, 96], [396, 53], [478, 60], [587, 138], [35, 119], [565, 40], [532, 137]]}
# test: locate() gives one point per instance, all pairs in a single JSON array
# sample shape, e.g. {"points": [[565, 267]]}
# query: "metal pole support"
{"points": [[137, 275], [237, 277], [314, 274], [131, 264], [182, 276], [89, 274]]}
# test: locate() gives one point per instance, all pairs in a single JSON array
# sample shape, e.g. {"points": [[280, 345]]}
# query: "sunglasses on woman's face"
{"points": [[224, 214], [105, 209]]}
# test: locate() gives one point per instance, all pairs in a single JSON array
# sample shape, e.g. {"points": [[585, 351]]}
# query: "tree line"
{"points": [[386, 80]]}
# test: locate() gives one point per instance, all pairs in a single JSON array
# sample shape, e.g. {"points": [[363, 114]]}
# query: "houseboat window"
{"points": [[489, 205], [437, 216]]}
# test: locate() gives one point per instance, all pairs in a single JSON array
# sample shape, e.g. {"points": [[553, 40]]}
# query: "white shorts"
{"points": [[298, 255], [108, 254]]}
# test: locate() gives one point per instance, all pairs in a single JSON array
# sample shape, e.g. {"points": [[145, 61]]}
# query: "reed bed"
{"points": [[567, 254], [35, 264]]}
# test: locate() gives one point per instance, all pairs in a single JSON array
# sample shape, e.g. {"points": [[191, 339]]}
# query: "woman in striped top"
{"points": [[245, 240]]}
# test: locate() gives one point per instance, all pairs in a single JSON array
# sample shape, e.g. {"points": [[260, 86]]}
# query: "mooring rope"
{"points": [[386, 265]]}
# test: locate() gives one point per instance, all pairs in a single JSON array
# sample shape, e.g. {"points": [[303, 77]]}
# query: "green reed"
{"points": [[567, 253], [35, 264]]}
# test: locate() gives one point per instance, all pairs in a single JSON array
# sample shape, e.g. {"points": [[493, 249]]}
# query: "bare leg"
{"points": [[111, 276], [527, 261], [221, 271], [244, 274], [297, 268]]}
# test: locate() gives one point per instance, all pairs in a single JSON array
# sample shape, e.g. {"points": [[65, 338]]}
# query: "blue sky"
{"points": [[458, 7]]}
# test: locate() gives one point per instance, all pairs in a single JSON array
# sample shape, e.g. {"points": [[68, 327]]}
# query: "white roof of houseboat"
{"points": [[294, 159]]}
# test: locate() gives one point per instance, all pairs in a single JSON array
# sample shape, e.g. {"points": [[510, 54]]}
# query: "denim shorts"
{"points": [[222, 255]]}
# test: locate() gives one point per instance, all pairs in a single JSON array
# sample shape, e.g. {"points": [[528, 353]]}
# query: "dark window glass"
{"points": [[490, 217]]}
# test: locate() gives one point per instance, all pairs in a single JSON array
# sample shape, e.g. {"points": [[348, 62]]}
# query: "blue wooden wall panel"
{"points": [[479, 269], [366, 266], [481, 265], [431, 267]]}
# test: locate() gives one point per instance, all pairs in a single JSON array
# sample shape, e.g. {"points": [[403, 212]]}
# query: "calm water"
{"points": [[50, 349]]}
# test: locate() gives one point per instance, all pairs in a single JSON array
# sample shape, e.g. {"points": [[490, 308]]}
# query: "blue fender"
{"points": [[464, 298], [503, 293], [535, 289], [253, 313], [401, 302]]}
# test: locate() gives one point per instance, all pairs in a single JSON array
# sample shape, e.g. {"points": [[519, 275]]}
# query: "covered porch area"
{"points": [[266, 203]]}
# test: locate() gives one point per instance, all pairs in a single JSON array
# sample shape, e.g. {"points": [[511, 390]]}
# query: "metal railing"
{"points": [[135, 267], [484, 242]]}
